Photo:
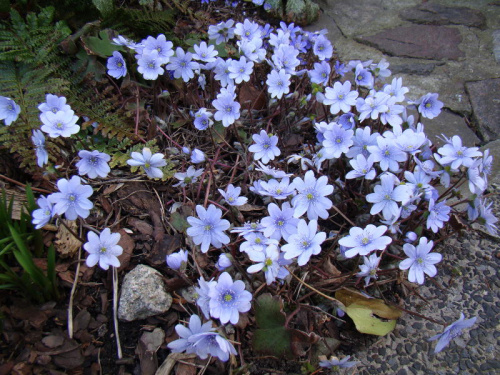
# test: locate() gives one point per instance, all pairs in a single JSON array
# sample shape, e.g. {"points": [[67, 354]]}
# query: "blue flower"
{"points": [[42, 155], [240, 70], [228, 111], [321, 73], [323, 48], [9, 110], [278, 83], [149, 162], [177, 260], [265, 148], [202, 298], [202, 340], [429, 106], [183, 65], [311, 197], [93, 163], [42, 215], [438, 215], [335, 364], [188, 177], [209, 228], [205, 53], [197, 156], [161, 45], [304, 243], [149, 64], [340, 97], [337, 141], [386, 196], [369, 268], [223, 262], [202, 119], [228, 299], [363, 77], [72, 200], [420, 260], [267, 261], [54, 103], [116, 65], [232, 196], [222, 32], [452, 331], [60, 123], [279, 223], [103, 249], [364, 241]]}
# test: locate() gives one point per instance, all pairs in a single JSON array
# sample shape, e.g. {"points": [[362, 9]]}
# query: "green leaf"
{"points": [[105, 7], [271, 337], [179, 222], [100, 45]]}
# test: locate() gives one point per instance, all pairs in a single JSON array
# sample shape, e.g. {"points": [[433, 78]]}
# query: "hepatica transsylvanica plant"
{"points": [[335, 153]]}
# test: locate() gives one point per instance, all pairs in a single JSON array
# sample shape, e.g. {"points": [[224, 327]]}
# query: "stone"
{"points": [[436, 14], [143, 294], [449, 124], [496, 45], [413, 68], [485, 100], [418, 41]]}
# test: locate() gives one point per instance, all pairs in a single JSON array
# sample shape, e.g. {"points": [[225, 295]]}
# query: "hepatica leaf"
{"points": [[370, 315], [271, 337]]}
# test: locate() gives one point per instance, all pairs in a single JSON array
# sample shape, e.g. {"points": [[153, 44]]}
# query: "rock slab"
{"points": [[436, 14], [485, 100], [143, 294], [418, 41]]}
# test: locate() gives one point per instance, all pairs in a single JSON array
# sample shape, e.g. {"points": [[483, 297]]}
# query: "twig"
{"points": [[342, 214], [72, 293], [312, 288], [115, 311], [23, 185]]}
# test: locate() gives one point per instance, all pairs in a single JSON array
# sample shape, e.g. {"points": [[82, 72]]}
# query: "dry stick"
{"points": [[342, 214], [115, 311], [23, 185], [312, 288]]}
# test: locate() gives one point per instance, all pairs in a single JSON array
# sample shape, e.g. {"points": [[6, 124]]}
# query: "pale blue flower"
{"points": [[208, 229], [386, 196], [161, 45], [456, 155], [248, 228], [304, 243], [452, 331], [280, 222], [364, 241], [149, 162], [228, 110], [285, 57], [103, 249], [54, 103], [116, 65], [396, 89], [429, 106], [387, 153], [277, 189], [240, 70], [247, 30], [420, 260], [149, 64], [42, 155], [311, 196], [272, 172], [369, 268], [340, 97], [93, 163], [363, 77], [188, 177], [321, 73], [202, 298], [265, 148], [232, 196], [72, 199], [202, 340], [267, 261], [340, 69], [205, 53], [9, 110], [228, 299], [222, 32], [42, 215], [335, 364], [363, 167], [59, 124], [223, 262], [202, 119], [177, 260], [197, 156], [221, 71], [361, 141], [122, 41], [372, 106], [337, 141], [183, 65], [323, 48], [438, 215], [278, 83]]}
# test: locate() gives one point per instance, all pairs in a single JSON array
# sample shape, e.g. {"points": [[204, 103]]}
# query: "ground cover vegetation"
{"points": [[287, 198]]}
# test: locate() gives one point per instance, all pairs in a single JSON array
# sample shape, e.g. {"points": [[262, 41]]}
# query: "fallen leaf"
{"points": [[66, 243], [128, 245]]}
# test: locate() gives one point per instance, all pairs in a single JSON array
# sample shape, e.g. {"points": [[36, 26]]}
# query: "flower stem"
{"points": [[115, 311]]}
